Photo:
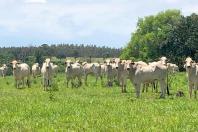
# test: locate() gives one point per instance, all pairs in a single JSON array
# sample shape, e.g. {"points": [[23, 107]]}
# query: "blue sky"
{"points": [[100, 22]]}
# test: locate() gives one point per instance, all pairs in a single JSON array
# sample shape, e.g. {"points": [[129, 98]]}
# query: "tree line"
{"points": [[168, 33], [32, 54]]}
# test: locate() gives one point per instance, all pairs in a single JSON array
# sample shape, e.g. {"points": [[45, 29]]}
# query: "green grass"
{"points": [[94, 108]]}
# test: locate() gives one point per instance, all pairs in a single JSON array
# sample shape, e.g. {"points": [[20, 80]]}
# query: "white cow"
{"points": [[172, 68], [55, 69], [73, 71], [47, 72], [92, 68], [192, 75], [103, 69], [122, 73], [3, 70], [36, 70], [163, 60], [21, 71], [140, 74], [110, 71]]}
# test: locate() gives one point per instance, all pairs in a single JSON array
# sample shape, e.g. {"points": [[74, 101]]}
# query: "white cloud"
{"points": [[36, 1], [71, 21]]}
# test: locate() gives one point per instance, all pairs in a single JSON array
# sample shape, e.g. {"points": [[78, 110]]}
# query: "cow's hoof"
{"points": [[162, 97]]}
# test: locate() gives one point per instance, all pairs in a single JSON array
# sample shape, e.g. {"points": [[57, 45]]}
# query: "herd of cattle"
{"points": [[139, 73]]}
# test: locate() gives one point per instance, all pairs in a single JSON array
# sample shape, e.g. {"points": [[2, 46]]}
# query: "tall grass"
{"points": [[94, 108]]}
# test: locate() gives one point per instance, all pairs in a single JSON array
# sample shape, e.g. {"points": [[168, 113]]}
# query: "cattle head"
{"points": [[15, 64], [129, 64], [37, 66], [108, 62], [188, 62], [4, 66], [163, 60], [84, 63], [117, 62], [68, 64], [48, 63]]}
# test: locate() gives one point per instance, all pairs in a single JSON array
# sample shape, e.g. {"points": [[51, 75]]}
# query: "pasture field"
{"points": [[94, 108]]}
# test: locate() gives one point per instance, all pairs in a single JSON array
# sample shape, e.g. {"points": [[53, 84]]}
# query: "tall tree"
{"points": [[151, 32]]}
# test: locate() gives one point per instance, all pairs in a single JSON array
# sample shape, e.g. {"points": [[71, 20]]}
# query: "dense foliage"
{"points": [[167, 33]]}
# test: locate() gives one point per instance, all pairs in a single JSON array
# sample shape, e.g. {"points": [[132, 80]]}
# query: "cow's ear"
{"points": [[11, 63], [132, 63], [19, 62]]}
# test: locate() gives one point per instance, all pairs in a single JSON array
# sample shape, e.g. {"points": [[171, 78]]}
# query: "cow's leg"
{"points": [[190, 89], [44, 84], [147, 86], [143, 88], [68, 79], [195, 90], [79, 81], [163, 88], [124, 84], [155, 85], [15, 83], [137, 89], [101, 78], [86, 79], [23, 82], [28, 81], [96, 79], [72, 82], [125, 88]]}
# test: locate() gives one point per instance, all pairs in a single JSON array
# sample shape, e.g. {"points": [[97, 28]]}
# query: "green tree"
{"points": [[152, 31], [182, 41]]}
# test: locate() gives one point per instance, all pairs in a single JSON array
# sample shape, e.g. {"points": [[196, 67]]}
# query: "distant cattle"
{"points": [[55, 69], [3, 70], [36, 70]]}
